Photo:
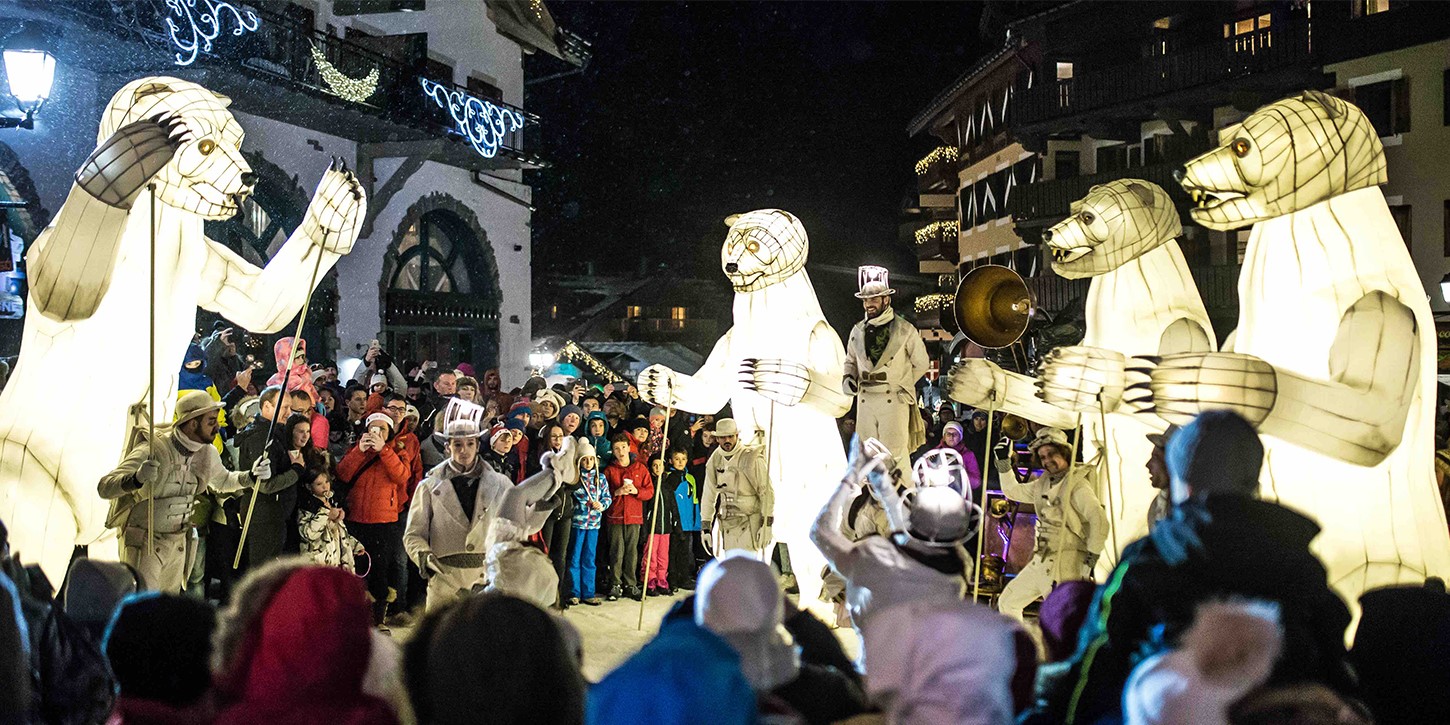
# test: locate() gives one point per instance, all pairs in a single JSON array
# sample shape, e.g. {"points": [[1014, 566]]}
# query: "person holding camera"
{"points": [[376, 480], [378, 363]]}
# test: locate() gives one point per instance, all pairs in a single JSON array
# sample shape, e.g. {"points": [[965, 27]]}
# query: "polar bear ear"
{"points": [[149, 89], [1329, 103], [222, 100], [730, 220], [1144, 194]]}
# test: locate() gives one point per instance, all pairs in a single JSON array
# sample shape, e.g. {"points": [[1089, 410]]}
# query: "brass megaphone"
{"points": [[999, 507], [1015, 428], [993, 306]]}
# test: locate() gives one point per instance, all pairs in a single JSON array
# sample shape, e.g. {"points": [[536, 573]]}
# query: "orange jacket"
{"points": [[378, 493]]}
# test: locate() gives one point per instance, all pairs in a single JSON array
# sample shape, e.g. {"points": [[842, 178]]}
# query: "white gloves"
{"points": [[262, 469], [147, 474]]}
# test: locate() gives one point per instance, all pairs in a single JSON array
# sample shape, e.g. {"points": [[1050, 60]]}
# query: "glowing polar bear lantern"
{"points": [[779, 350], [81, 384], [1333, 359], [1142, 300]]}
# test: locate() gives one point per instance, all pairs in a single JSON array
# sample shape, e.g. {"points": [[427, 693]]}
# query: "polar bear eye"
{"points": [[206, 146], [752, 246], [1086, 217], [1241, 147]]}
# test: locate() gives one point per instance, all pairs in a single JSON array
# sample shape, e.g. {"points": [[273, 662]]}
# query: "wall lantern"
{"points": [[30, 71]]}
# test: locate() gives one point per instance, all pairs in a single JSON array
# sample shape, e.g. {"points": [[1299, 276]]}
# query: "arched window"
{"points": [[440, 287]]}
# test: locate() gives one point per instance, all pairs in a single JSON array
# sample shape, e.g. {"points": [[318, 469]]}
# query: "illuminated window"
{"points": [[554, 312], [677, 313], [1361, 8], [1064, 71], [632, 311]]}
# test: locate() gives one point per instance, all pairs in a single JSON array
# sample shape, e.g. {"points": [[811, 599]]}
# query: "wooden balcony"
{"points": [[1047, 202], [1231, 59]]}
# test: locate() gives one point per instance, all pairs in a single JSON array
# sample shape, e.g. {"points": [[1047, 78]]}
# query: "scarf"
{"points": [[878, 334], [186, 443]]}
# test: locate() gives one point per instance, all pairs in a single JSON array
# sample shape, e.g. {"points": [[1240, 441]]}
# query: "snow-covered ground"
{"points": [[610, 633]]}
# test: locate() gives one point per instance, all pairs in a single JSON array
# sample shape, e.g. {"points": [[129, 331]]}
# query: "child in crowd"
{"points": [[630, 485], [664, 520], [591, 497], [320, 524], [638, 437], [596, 431], [678, 481]]}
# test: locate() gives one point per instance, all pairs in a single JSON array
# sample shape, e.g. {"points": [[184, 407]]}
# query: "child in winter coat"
{"points": [[663, 520], [591, 498], [596, 429], [320, 524], [678, 481], [631, 485]]}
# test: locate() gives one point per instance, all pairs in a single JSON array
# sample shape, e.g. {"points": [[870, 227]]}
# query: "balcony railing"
{"points": [[1052, 199], [938, 170], [295, 55], [937, 239], [1285, 44]]}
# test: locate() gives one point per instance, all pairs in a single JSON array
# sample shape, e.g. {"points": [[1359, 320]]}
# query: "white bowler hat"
{"points": [[726, 427], [193, 404], [873, 281]]}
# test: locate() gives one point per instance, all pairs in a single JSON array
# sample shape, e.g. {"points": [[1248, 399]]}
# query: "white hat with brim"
{"points": [[195, 403], [1051, 436], [725, 427], [874, 289]]}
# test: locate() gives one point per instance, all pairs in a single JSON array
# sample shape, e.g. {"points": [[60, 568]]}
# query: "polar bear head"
{"points": [[1115, 223], [208, 175], [1286, 156], [762, 248]]}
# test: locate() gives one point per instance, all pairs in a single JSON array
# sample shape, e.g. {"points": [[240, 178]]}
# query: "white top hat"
{"points": [[460, 419], [873, 281]]}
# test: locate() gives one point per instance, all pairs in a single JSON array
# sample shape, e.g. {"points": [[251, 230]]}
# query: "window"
{"points": [[1401, 214], [430, 259], [554, 312], [633, 311], [1361, 8], [1386, 104], [1249, 35], [481, 88], [677, 313], [1064, 71], [1065, 165], [1112, 158]]}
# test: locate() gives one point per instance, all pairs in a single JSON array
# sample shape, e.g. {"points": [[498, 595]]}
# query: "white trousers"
{"points": [[887, 418], [1034, 581], [165, 564]]}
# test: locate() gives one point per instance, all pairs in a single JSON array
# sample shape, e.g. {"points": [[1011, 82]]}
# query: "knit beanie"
{"points": [[465, 381], [377, 379], [576, 410], [637, 423], [515, 423], [1063, 611], [159, 646], [1219, 452], [379, 418]]}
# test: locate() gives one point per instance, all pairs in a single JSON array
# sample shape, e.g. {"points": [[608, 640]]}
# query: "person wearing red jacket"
{"points": [[631, 485], [377, 477]]}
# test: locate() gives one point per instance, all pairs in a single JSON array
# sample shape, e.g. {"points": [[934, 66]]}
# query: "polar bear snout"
{"points": [[731, 268]]}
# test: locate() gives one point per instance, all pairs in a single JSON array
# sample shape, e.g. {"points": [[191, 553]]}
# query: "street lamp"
{"points": [[30, 71], [540, 359]]}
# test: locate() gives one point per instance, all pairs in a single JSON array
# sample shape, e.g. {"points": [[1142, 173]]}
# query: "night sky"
{"points": [[690, 112]]}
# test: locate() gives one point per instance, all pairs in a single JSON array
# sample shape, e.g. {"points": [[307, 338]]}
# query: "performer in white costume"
{"points": [[884, 358], [1142, 301], [1333, 358], [90, 296], [779, 364], [737, 496]]}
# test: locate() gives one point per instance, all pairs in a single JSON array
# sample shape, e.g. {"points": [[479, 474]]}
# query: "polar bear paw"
{"points": [[1182, 386], [335, 215], [777, 380], [117, 171], [976, 382], [1081, 378], [657, 385]]}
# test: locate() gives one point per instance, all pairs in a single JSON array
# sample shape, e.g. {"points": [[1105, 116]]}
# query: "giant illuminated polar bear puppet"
{"points": [[1333, 358], [1142, 300], [81, 384], [780, 364]]}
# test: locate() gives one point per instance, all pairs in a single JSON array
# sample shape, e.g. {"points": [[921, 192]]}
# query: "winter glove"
{"points": [[262, 469], [763, 538], [146, 475]]}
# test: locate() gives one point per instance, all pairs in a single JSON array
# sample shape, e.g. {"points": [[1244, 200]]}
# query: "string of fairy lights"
{"points": [[940, 153], [356, 90], [572, 352], [935, 230], [933, 301]]}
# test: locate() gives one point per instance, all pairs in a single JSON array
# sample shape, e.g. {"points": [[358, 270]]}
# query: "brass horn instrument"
{"points": [[993, 306], [1015, 427]]}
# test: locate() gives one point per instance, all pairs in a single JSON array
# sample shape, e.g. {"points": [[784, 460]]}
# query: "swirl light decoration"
{"points": [[205, 25], [482, 122]]}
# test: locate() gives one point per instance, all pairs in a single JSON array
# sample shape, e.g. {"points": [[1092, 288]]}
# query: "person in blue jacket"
{"points": [[685, 675], [683, 538]]}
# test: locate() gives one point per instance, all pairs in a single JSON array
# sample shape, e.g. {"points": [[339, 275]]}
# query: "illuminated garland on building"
{"points": [[482, 122], [205, 25], [940, 153], [572, 352], [946, 281], [357, 90], [934, 301], [929, 232]]}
